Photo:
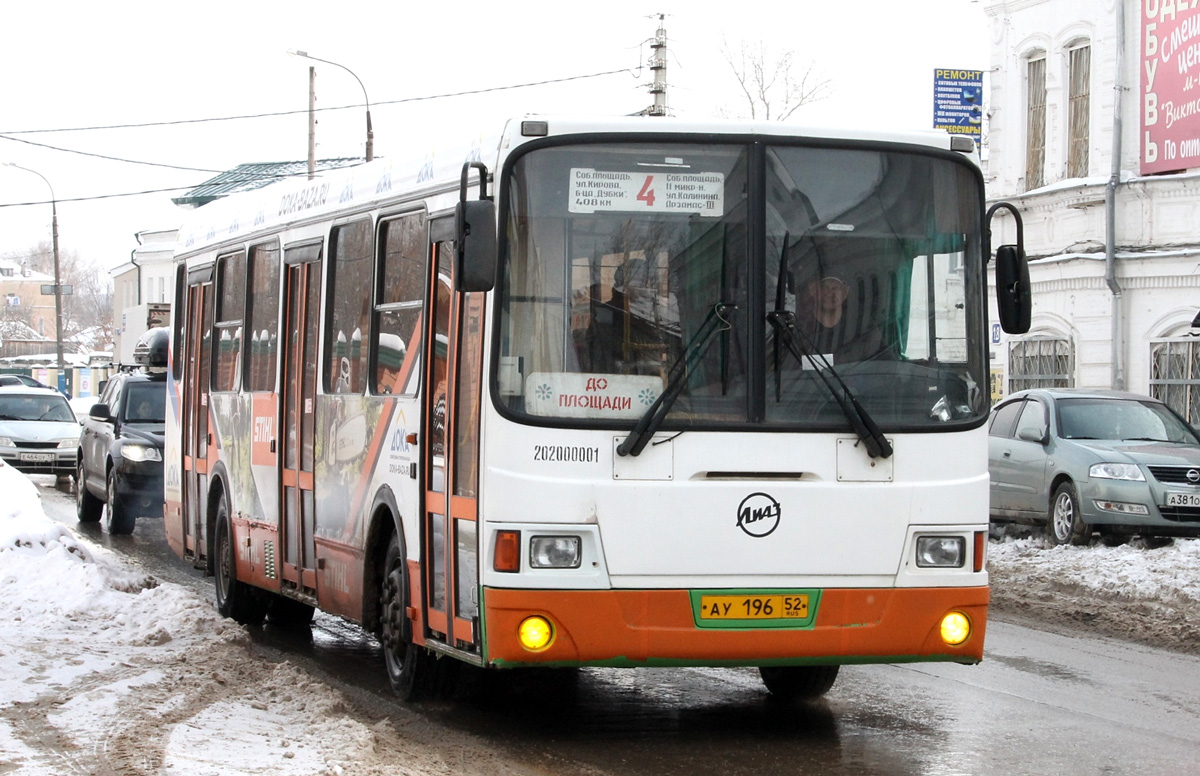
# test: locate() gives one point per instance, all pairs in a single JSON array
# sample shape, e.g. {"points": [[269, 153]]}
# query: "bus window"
{"points": [[399, 302], [262, 317], [349, 307], [231, 290]]}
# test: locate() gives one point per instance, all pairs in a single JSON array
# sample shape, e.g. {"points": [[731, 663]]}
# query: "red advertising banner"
{"points": [[1170, 76]]}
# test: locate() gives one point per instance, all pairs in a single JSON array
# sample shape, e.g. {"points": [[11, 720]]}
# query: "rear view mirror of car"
{"points": [[1032, 435]]}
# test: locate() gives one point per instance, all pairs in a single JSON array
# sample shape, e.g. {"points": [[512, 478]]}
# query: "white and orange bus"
{"points": [[670, 394]]}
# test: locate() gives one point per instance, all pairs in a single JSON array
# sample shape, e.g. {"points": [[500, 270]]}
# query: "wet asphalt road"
{"points": [[1041, 703]]}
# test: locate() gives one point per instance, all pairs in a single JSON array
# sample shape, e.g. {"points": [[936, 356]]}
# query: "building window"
{"points": [[1079, 109], [1040, 362], [1175, 375], [1035, 130]]}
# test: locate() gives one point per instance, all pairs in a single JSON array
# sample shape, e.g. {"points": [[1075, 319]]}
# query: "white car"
{"points": [[39, 432]]}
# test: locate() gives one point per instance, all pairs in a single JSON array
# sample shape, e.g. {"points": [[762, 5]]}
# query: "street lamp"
{"points": [[58, 340], [370, 132]]}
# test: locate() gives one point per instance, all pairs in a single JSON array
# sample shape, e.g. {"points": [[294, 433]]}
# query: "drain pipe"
{"points": [[1117, 378]]}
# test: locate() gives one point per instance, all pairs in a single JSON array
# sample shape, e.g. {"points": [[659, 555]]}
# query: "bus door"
{"points": [[195, 433], [451, 449], [302, 296]]}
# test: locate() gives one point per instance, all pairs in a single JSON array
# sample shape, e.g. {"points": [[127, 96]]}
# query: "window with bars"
{"points": [[1175, 375], [1035, 131], [1040, 362], [1079, 109]]}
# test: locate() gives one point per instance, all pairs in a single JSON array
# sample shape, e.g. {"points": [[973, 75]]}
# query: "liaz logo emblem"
{"points": [[758, 514]]}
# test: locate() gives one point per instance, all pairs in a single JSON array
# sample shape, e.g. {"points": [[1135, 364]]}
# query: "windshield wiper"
{"points": [[864, 425], [713, 323], [786, 331]]}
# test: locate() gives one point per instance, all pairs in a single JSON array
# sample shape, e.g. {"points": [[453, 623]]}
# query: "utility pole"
{"points": [[658, 67]]}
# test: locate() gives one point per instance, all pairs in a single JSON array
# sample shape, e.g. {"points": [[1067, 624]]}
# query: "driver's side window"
{"points": [[1033, 417]]}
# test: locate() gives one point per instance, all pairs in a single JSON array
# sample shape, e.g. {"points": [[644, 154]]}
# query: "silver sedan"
{"points": [[1083, 461]]}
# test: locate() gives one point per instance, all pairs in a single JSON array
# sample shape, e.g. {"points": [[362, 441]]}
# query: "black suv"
{"points": [[120, 460]]}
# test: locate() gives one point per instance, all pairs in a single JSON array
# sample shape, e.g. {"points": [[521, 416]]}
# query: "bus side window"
{"points": [[349, 300], [399, 302], [231, 290]]}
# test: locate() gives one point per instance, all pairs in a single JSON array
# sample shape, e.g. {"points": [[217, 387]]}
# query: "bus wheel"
{"points": [[235, 600], [87, 506], [408, 666], [798, 683]]}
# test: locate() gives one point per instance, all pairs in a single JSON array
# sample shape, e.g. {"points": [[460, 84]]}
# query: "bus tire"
{"points": [[798, 683], [409, 667], [235, 600], [87, 506], [288, 613]]}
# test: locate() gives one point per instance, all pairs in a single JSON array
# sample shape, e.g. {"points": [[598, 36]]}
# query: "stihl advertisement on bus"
{"points": [[622, 392]]}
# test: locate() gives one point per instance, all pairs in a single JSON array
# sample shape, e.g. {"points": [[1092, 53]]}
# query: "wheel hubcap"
{"points": [[1064, 516], [393, 620], [223, 566]]}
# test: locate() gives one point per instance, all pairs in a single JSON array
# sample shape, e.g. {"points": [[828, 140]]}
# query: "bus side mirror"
{"points": [[1013, 295], [475, 236], [1014, 298]]}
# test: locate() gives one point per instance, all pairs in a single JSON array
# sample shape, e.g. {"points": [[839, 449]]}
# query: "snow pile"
{"points": [[1130, 572], [1133, 591], [113, 666]]}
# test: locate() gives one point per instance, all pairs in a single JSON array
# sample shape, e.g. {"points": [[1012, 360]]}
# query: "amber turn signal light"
{"points": [[507, 555]]}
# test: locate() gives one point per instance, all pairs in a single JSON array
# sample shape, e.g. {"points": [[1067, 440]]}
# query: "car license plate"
{"points": [[754, 607], [1183, 499], [37, 457]]}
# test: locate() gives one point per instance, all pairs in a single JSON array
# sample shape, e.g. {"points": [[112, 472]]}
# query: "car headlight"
{"points": [[68, 442], [554, 552], [140, 453], [1117, 471], [941, 552], [6, 442]]}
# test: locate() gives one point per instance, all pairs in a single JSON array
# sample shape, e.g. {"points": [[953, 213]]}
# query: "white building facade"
{"points": [[143, 288], [1094, 136]]}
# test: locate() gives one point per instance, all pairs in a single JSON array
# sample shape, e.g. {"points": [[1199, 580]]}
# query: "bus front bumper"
{"points": [[662, 628]]}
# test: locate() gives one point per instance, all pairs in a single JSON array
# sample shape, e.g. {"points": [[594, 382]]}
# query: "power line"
{"points": [[305, 111], [109, 158], [245, 179]]}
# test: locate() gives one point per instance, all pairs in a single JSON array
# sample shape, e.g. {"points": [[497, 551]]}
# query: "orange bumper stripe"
{"points": [[657, 627]]}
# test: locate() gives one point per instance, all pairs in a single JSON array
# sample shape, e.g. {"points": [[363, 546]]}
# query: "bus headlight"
{"points": [[941, 552], [956, 628], [554, 552], [535, 633]]}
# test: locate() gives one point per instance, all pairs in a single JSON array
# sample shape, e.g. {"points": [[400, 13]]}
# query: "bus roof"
{"points": [[439, 170]]}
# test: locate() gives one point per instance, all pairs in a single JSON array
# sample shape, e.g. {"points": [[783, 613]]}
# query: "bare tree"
{"points": [[88, 306], [774, 85]]}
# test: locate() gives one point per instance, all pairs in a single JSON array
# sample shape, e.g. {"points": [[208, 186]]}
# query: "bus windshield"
{"points": [[631, 267]]}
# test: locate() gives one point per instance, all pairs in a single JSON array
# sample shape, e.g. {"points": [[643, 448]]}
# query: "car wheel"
{"points": [[409, 667], [87, 506], [117, 520], [288, 613], [1065, 524], [798, 683], [235, 600]]}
